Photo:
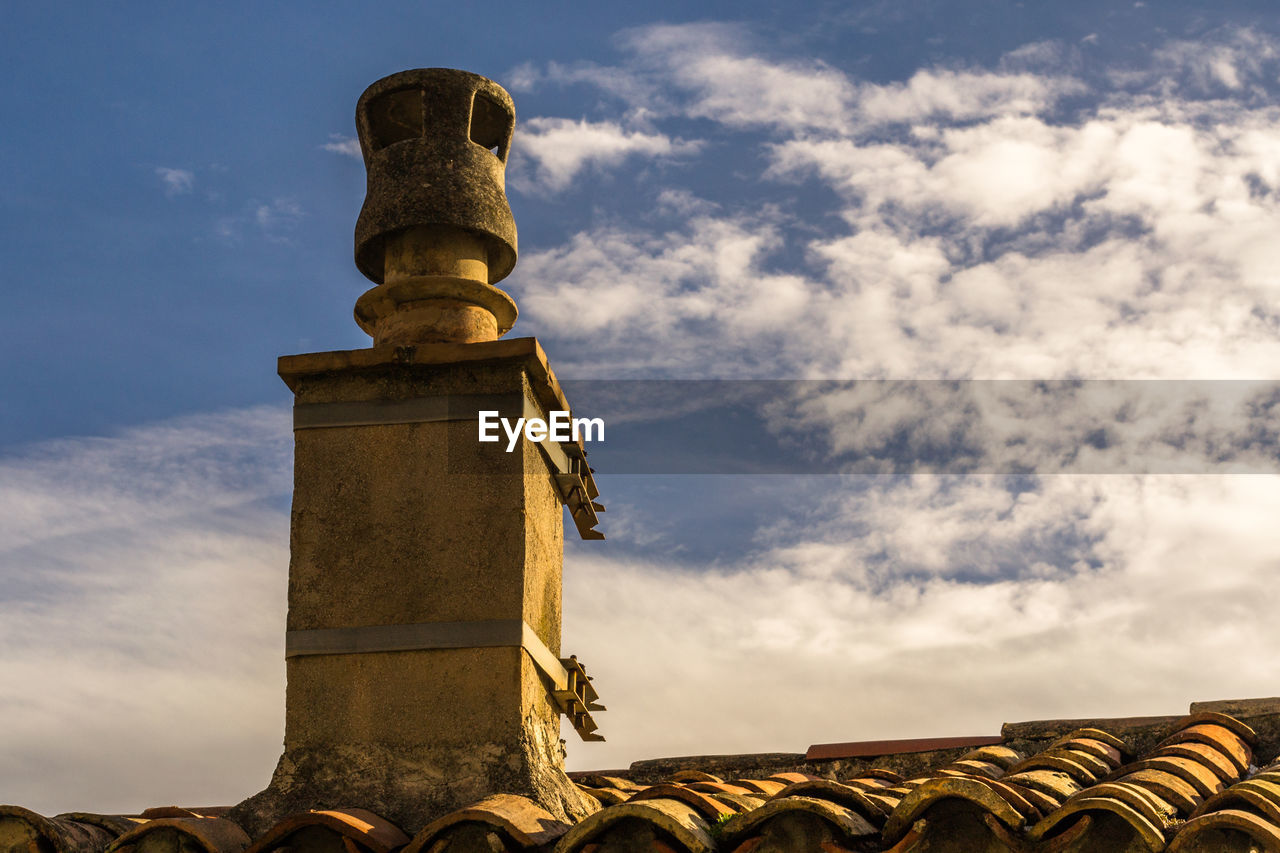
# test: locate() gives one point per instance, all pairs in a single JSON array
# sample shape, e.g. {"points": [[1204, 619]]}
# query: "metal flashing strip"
{"points": [[570, 687], [450, 407]]}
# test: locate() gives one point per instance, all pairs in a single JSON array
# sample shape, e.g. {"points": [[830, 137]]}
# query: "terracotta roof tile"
{"points": [[1225, 832], [1221, 739], [1197, 775], [708, 806], [970, 796], [674, 824], [767, 787], [355, 830], [840, 794], [1109, 755], [162, 835], [740, 802], [1080, 815], [1074, 789], [498, 822], [694, 776], [115, 825], [1253, 795], [996, 754], [1207, 756], [606, 796], [595, 780], [1053, 784], [877, 777], [22, 829], [792, 778], [796, 823], [1244, 730], [1044, 804]]}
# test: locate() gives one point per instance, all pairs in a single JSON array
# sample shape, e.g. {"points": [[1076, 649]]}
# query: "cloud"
{"points": [[1077, 597], [142, 611], [144, 587], [723, 81], [176, 181], [640, 93], [715, 71], [932, 94], [972, 231], [271, 220], [1039, 427], [1233, 61], [684, 288], [339, 144], [1129, 244], [277, 214], [975, 229], [560, 149]]}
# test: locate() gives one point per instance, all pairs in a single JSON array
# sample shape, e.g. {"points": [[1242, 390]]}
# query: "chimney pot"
{"points": [[436, 232]]}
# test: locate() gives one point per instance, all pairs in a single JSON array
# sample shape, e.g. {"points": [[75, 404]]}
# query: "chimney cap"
{"points": [[435, 143]]}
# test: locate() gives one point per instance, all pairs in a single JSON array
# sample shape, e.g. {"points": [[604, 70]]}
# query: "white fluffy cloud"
{"points": [[979, 232], [142, 614], [561, 148], [145, 586], [691, 290], [864, 621], [346, 145], [983, 235], [1235, 62]]}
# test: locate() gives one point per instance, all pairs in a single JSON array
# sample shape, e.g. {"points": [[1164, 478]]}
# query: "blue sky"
{"points": [[887, 190]]}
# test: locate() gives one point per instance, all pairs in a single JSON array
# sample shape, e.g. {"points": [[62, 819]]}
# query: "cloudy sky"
{"points": [[1081, 201]]}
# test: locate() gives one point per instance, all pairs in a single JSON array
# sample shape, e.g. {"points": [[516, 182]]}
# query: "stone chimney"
{"points": [[423, 643]]}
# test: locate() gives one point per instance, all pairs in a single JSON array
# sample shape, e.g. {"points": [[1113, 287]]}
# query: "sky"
{"points": [[936, 344]]}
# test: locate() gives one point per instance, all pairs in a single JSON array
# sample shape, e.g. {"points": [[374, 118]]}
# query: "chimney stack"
{"points": [[423, 637]]}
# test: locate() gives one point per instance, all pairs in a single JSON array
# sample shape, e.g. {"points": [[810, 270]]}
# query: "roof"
{"points": [[1206, 781]]}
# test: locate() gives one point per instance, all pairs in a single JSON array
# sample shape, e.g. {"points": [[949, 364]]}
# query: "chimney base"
{"points": [[411, 788]]}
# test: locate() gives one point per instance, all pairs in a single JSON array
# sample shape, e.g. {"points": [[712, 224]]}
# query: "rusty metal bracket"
{"points": [[578, 699], [573, 478], [570, 688]]}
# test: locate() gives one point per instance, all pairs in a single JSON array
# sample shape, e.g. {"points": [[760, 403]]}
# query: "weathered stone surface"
{"points": [[908, 765], [432, 158], [406, 523], [758, 766], [1139, 734], [1239, 708]]}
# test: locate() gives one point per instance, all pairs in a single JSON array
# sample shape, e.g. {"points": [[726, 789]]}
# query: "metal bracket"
{"points": [[571, 689], [579, 699], [572, 474]]}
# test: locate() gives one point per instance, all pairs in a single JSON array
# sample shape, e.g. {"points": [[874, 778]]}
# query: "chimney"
{"points": [[423, 638]]}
